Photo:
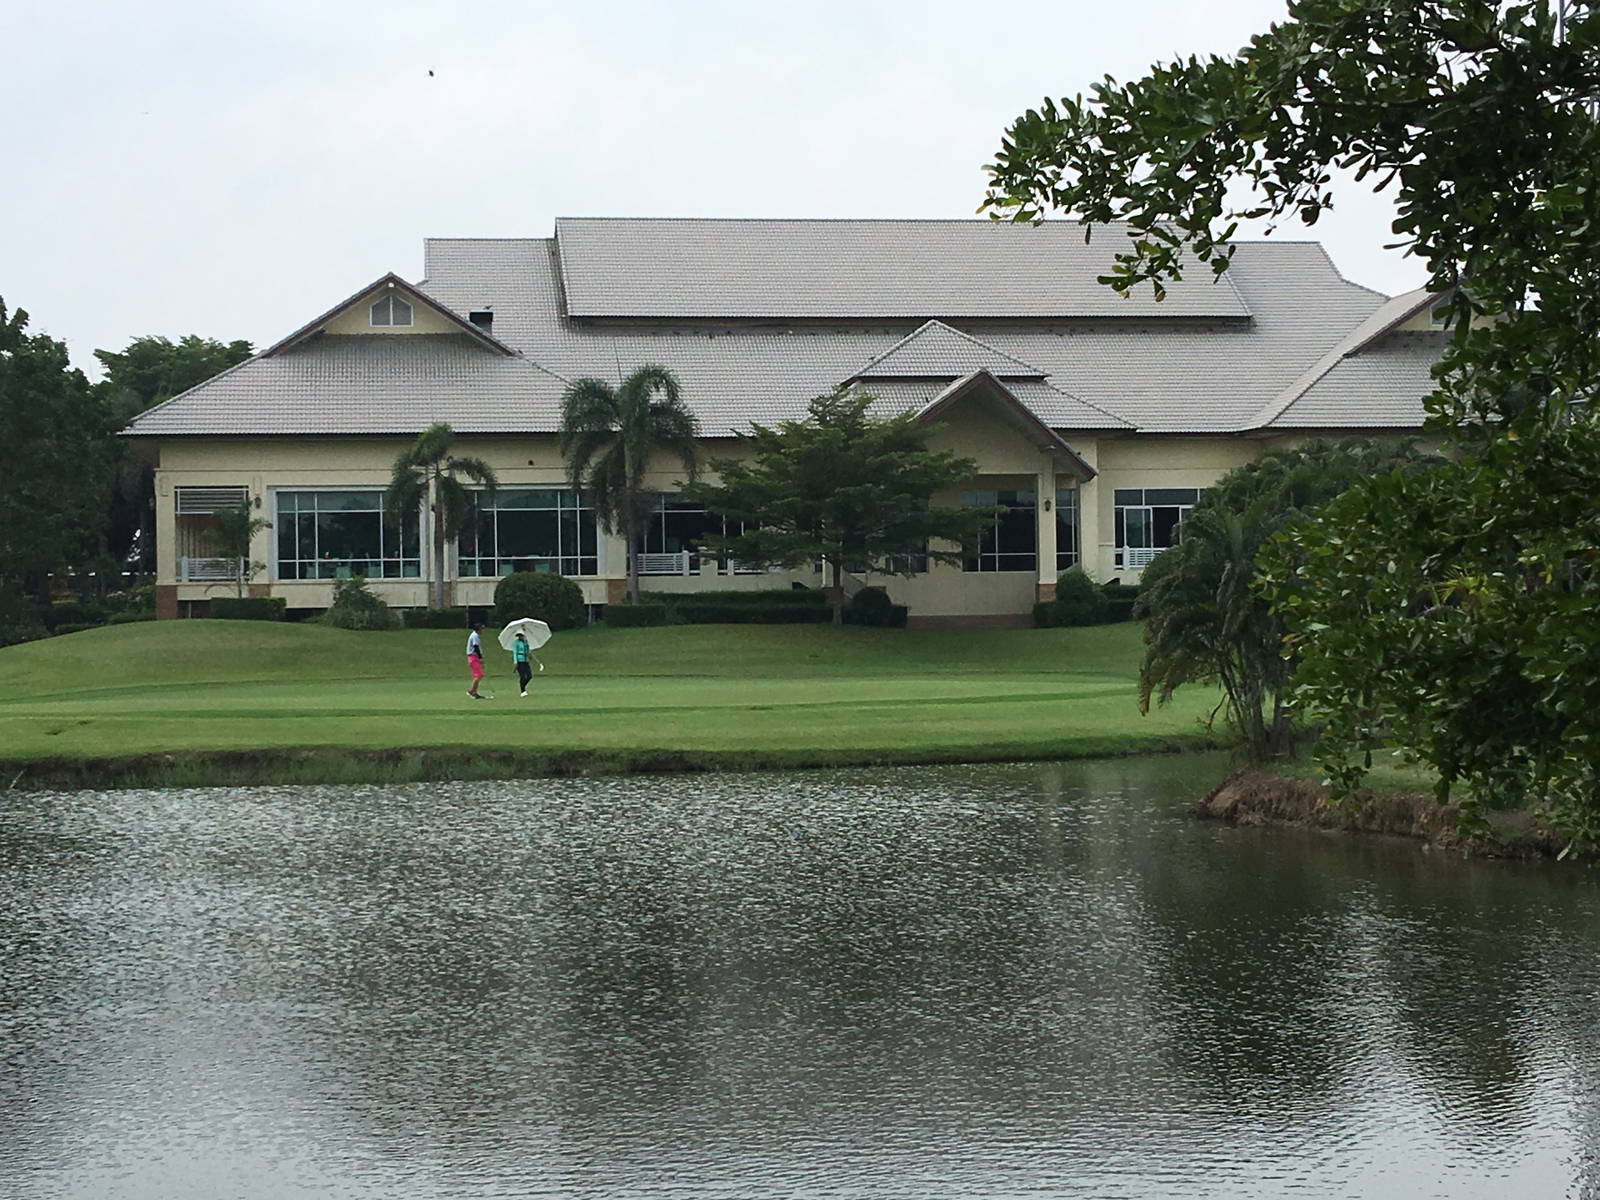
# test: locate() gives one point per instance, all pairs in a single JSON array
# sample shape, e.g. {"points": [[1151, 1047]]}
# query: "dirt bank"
{"points": [[1253, 796]]}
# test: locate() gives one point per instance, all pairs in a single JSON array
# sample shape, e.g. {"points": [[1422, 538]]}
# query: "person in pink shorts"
{"points": [[475, 659]]}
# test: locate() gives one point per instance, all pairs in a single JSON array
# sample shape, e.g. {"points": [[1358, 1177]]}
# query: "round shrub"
{"points": [[1079, 600], [543, 595], [869, 606]]}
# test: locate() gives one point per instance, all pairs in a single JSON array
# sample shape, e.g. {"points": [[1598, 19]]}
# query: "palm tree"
{"points": [[608, 435], [236, 529], [427, 471]]}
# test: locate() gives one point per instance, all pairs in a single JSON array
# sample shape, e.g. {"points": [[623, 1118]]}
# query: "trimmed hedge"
{"points": [[544, 595], [764, 597], [631, 616], [434, 618], [1120, 591], [72, 627], [54, 616], [248, 608], [749, 614], [128, 618]]}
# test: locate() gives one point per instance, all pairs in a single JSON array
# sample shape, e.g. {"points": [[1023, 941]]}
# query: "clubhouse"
{"points": [[1096, 420]]}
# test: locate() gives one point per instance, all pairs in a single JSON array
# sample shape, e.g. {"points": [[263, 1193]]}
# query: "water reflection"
{"points": [[948, 982]]}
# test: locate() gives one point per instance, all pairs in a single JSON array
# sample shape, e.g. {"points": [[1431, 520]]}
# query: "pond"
{"points": [[1029, 980]]}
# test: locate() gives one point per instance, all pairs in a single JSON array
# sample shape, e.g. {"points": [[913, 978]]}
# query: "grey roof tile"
{"points": [[625, 267], [936, 351], [1152, 373]]}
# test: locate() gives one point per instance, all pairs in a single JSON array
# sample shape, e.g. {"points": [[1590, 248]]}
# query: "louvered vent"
{"points": [[209, 499]]}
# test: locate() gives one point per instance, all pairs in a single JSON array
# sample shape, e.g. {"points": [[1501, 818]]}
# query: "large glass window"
{"points": [[1011, 540], [673, 531], [1066, 528], [1148, 521], [334, 535], [529, 529]]}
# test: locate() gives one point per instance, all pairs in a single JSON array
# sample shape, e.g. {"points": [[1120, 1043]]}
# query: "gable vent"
{"points": [[483, 318]]}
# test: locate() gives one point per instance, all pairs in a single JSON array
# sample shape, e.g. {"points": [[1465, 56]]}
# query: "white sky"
{"points": [[232, 170]]}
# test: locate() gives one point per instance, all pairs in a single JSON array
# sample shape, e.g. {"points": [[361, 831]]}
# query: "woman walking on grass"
{"points": [[519, 655], [475, 659]]}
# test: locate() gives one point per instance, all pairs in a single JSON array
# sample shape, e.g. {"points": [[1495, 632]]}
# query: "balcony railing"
{"points": [[1137, 558], [208, 570], [667, 564]]}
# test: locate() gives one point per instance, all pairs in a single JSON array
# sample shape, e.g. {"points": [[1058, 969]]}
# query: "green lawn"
{"points": [[766, 693]]}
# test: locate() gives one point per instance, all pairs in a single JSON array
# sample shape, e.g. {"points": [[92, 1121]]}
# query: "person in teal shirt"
{"points": [[519, 655]]}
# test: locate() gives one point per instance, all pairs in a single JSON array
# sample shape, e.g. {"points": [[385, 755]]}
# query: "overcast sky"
{"points": [[232, 170]]}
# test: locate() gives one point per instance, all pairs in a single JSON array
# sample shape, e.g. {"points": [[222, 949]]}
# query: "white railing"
{"points": [[665, 564], [1137, 558], [735, 567], [208, 570]]}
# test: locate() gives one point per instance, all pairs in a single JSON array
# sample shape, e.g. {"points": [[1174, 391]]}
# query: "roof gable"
{"points": [[985, 386], [936, 351], [448, 321]]}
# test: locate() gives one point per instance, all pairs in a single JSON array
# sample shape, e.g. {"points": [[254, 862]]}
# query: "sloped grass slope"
{"points": [[752, 694]]}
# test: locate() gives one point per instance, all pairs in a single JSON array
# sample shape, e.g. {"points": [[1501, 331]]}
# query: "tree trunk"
{"points": [[836, 592], [438, 552], [630, 536]]}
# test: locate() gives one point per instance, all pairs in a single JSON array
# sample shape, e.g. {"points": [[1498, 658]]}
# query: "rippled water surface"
{"points": [[950, 982]]}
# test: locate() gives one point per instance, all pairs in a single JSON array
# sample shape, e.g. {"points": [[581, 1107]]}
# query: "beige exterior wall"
{"points": [[358, 319], [1007, 459], [1149, 462]]}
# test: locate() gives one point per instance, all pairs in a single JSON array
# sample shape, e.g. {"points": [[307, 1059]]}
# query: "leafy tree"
{"points": [[608, 436], [427, 473], [1205, 620], [844, 486], [236, 529], [1482, 118], [148, 372], [58, 444]]}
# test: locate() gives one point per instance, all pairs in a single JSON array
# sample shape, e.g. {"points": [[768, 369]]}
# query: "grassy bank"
{"points": [[220, 701], [1398, 800]]}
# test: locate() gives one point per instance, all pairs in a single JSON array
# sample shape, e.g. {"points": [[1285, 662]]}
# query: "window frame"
{"points": [[409, 561], [583, 562]]}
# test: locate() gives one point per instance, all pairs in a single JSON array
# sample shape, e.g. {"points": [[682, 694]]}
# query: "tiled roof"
{"points": [[935, 351], [367, 383], [862, 269], [1310, 336], [1380, 387]]}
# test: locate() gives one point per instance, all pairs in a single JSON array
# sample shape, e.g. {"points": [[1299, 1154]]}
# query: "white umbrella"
{"points": [[537, 633]]}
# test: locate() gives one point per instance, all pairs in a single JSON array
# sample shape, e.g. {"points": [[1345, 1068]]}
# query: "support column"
{"points": [[1092, 555], [1045, 526]]}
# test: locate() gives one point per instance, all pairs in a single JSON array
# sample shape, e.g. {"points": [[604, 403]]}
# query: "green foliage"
{"points": [[1079, 599], [355, 607], [74, 627], [1481, 116], [130, 616], [1205, 622], [608, 436], [781, 597], [1455, 614], [58, 450], [871, 606], [249, 608], [844, 486], [149, 371], [152, 370], [543, 595], [53, 616], [435, 618], [631, 616], [693, 613], [427, 473], [236, 529]]}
